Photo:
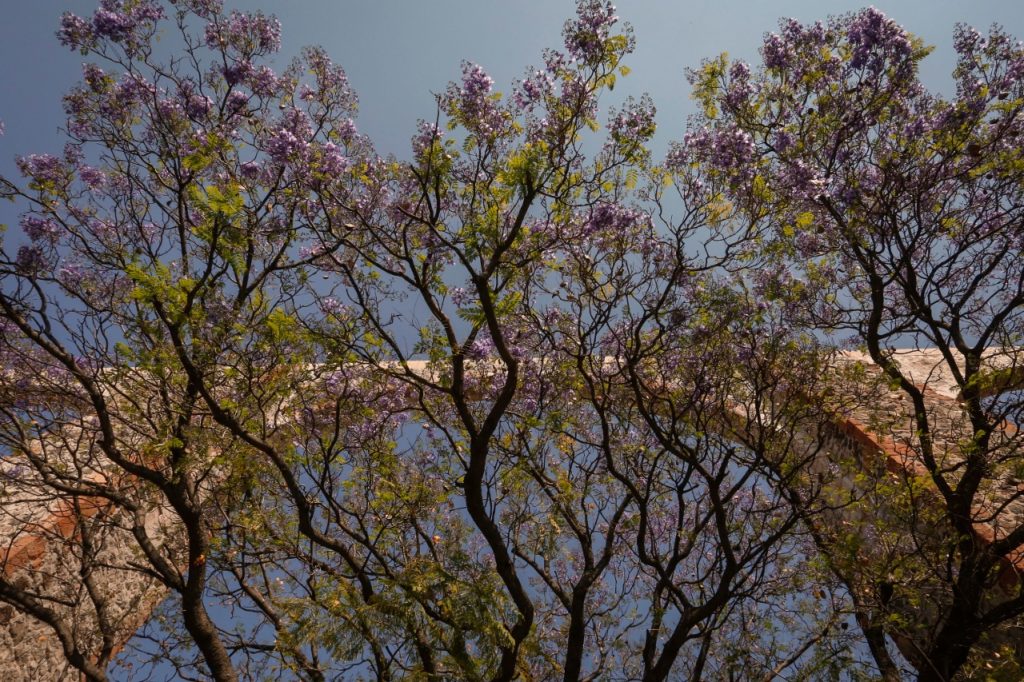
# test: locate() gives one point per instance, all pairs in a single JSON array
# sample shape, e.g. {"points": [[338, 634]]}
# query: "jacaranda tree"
{"points": [[894, 216], [524, 404]]}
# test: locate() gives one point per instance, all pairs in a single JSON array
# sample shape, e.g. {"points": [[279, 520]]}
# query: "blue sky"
{"points": [[397, 52]]}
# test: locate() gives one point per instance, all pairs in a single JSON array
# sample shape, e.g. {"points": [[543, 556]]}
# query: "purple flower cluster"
{"points": [[236, 72], [332, 307], [249, 34], [728, 149], [30, 259], [43, 168], [775, 53], [458, 295], [283, 145], [481, 348], [93, 178], [877, 40], [332, 87], [114, 20], [740, 88], [205, 9], [195, 105], [289, 140], [263, 81], [803, 180], [73, 154], [428, 134], [236, 102], [40, 229], [103, 230], [113, 25], [635, 123], [803, 51], [75, 32], [967, 40], [94, 77], [586, 35], [781, 141], [473, 103], [250, 170], [608, 218], [346, 129], [129, 92], [332, 161], [534, 88]]}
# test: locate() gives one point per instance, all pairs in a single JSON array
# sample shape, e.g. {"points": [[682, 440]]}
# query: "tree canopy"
{"points": [[527, 403]]}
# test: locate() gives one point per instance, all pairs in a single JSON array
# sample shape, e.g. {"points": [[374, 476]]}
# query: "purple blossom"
{"points": [[332, 161], [729, 149], [205, 9], [236, 102], [803, 180], [612, 219], [288, 141], [195, 105], [131, 90], [145, 11], [116, 22], [635, 123], [481, 348], [283, 145], [30, 259], [534, 88], [248, 33], [476, 84], [94, 178], [775, 52], [42, 168], [472, 102], [297, 121], [40, 229], [237, 72], [678, 157], [332, 307], [262, 81], [876, 38], [103, 230], [73, 154], [73, 275], [75, 32], [424, 140], [250, 170], [586, 35], [168, 109], [552, 316], [782, 141], [346, 129], [94, 77], [113, 25], [740, 88], [335, 382], [967, 39]]}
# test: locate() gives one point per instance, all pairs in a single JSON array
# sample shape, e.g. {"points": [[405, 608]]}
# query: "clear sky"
{"points": [[397, 52]]}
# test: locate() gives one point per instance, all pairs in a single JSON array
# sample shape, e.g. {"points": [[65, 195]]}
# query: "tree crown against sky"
{"points": [[527, 403]]}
